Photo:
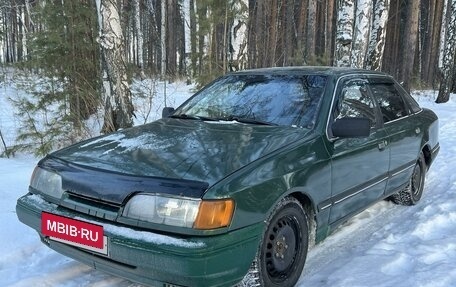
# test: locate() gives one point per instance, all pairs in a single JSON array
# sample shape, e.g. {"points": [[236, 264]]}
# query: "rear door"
{"points": [[403, 130], [359, 165]]}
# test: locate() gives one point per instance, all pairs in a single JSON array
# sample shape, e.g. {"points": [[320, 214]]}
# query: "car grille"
{"points": [[91, 206]]}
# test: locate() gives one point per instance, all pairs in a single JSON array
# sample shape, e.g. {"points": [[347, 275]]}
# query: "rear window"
{"points": [[389, 100], [414, 106]]}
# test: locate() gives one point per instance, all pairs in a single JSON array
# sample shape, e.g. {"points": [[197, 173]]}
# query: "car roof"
{"points": [[309, 70]]}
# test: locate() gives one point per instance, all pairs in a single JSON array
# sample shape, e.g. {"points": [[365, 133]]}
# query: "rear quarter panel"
{"points": [[430, 124]]}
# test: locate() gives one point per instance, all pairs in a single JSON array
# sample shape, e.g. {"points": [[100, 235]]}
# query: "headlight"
{"points": [[47, 182], [183, 212]]}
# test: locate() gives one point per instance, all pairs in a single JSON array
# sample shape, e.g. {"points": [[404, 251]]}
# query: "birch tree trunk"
{"points": [[344, 33], [117, 95], [449, 50], [361, 32], [238, 57], [378, 35], [443, 33]]}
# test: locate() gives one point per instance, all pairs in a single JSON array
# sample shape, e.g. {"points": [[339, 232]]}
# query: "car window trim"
{"points": [[402, 118]]}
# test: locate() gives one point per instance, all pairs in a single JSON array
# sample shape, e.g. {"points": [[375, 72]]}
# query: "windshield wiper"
{"points": [[249, 121], [191, 117]]}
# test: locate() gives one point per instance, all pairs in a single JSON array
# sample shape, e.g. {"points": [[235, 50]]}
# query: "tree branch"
{"points": [[4, 144]]}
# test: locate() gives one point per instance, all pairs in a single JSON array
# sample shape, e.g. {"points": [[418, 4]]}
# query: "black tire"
{"points": [[283, 250], [412, 193]]}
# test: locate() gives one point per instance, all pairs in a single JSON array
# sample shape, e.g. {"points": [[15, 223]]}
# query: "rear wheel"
{"points": [[412, 193], [283, 249]]}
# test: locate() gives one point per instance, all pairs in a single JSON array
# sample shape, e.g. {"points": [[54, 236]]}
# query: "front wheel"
{"points": [[283, 249], [412, 193]]}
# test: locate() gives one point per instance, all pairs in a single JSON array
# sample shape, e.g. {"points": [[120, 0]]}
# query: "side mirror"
{"points": [[167, 111], [351, 127]]}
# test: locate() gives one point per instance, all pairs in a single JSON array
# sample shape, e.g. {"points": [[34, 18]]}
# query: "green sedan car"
{"points": [[233, 187]]}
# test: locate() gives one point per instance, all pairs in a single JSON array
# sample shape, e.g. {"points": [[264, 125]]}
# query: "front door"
{"points": [[356, 181]]}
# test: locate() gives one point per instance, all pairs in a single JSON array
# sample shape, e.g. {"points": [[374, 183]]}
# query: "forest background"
{"points": [[77, 58]]}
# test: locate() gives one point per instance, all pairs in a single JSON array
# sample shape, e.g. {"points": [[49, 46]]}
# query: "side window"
{"points": [[414, 107], [354, 102], [389, 101]]}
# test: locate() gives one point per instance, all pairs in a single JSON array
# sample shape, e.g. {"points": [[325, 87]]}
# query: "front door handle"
{"points": [[382, 145]]}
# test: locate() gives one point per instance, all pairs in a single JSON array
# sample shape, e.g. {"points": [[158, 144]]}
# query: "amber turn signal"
{"points": [[214, 214]]}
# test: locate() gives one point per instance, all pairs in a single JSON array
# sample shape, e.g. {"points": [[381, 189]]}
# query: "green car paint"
{"points": [[255, 165]]}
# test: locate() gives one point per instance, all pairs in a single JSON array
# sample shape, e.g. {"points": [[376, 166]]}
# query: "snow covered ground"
{"points": [[387, 245]]}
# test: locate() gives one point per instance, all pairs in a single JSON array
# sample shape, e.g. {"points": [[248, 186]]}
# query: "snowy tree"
{"points": [[378, 35], [362, 28], [448, 56], [117, 95], [344, 33]]}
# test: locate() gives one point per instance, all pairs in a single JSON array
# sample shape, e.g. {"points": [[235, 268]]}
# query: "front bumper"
{"points": [[155, 259]]}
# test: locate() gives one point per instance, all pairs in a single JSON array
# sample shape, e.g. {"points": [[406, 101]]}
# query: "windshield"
{"points": [[286, 100]]}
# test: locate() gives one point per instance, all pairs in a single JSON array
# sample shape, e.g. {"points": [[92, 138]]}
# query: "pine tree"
{"points": [[410, 41], [64, 56]]}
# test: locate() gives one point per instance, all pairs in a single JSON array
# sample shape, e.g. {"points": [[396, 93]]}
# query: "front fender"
{"points": [[302, 167]]}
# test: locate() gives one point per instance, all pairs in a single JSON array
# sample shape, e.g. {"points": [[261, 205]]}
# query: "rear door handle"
{"points": [[382, 145]]}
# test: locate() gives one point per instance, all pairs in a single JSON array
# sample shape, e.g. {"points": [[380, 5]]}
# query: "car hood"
{"points": [[180, 149]]}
